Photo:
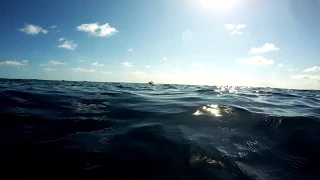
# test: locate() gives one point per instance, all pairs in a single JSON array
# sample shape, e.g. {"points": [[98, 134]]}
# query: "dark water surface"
{"points": [[50, 129]]}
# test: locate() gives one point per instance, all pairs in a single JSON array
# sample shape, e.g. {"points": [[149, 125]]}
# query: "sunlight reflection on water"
{"points": [[211, 109]]}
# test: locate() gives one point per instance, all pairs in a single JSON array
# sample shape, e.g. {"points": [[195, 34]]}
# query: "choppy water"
{"points": [[114, 130]]}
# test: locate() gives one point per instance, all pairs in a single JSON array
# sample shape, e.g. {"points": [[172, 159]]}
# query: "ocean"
{"points": [[91, 130]]}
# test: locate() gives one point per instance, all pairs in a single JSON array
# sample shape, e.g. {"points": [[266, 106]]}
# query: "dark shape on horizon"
{"points": [[151, 82]]}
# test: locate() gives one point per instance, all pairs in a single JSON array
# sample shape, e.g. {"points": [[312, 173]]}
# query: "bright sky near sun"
{"points": [[273, 43]]}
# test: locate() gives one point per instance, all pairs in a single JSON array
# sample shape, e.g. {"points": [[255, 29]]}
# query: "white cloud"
{"points": [[312, 69], [14, 63], [130, 50], [280, 65], [97, 30], [53, 27], [240, 26], [291, 69], [164, 58], [147, 66], [53, 62], [60, 39], [230, 26], [81, 60], [138, 73], [235, 33], [306, 77], [265, 48], [70, 45], [127, 64], [197, 65], [49, 69], [255, 61], [235, 28], [33, 29], [83, 70], [103, 72], [96, 64]]}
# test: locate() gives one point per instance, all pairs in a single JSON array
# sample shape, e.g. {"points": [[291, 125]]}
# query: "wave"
{"points": [[118, 130]]}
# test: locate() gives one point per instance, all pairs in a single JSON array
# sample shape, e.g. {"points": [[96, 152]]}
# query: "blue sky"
{"points": [[232, 42]]}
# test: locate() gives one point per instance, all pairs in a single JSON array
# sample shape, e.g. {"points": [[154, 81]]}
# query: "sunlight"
{"points": [[209, 109], [213, 109], [218, 5]]}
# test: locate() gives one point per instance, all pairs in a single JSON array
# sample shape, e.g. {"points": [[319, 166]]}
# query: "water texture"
{"points": [[50, 129]]}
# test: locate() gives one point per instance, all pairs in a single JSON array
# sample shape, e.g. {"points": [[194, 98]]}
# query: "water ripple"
{"points": [[123, 130]]}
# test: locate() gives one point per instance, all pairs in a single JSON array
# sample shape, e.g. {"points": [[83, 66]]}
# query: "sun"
{"points": [[218, 5]]}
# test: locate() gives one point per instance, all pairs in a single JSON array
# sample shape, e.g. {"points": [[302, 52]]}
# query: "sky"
{"points": [[207, 42]]}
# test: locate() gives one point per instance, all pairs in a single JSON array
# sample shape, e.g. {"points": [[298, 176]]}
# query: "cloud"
{"points": [[164, 58], [265, 48], [280, 65], [306, 77], [97, 64], [147, 66], [83, 70], [49, 69], [127, 64], [103, 72], [53, 62], [235, 28], [81, 61], [138, 73], [235, 33], [33, 29], [97, 30], [197, 65], [255, 61], [240, 26], [291, 69], [52, 27], [14, 63], [230, 26], [130, 50], [312, 69], [70, 45], [60, 39]]}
